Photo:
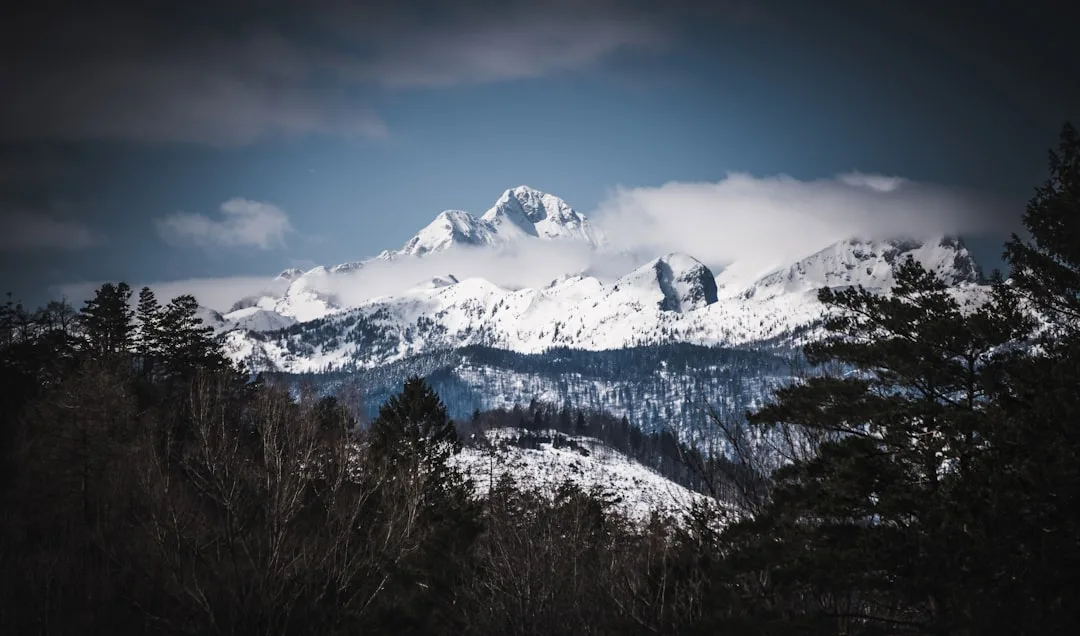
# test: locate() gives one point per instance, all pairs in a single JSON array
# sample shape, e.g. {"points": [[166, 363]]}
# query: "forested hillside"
{"points": [[661, 388]]}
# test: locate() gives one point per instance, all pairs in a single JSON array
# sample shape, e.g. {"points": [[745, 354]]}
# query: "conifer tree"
{"points": [[107, 320], [1046, 268], [148, 345], [185, 343], [1032, 472], [870, 530], [414, 425], [410, 445]]}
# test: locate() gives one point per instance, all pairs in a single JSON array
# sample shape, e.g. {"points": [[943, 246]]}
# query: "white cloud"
{"points": [[873, 181], [768, 220], [243, 223], [25, 230], [528, 264]]}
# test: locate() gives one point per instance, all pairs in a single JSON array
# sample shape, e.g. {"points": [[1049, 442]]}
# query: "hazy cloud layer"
{"points": [[216, 293], [243, 223], [23, 230]]}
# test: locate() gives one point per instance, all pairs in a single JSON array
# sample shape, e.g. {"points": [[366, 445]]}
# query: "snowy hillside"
{"points": [[855, 262], [581, 460]]}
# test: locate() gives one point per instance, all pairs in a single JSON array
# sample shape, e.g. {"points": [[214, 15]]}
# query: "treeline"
{"points": [[926, 480]]}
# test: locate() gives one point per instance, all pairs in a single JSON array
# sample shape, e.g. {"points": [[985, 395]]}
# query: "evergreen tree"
{"points": [[1046, 269], [107, 321], [184, 343], [148, 344], [414, 425], [1032, 472], [873, 528], [410, 445]]}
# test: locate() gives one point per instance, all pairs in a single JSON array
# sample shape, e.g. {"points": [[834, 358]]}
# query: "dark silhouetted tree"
{"points": [[107, 321]]}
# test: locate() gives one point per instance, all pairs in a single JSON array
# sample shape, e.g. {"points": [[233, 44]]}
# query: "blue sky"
{"points": [[345, 127]]}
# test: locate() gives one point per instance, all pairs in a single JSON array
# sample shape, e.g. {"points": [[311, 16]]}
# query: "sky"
{"points": [[158, 141]]}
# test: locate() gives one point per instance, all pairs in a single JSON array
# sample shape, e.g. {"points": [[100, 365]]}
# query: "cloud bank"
{"points": [[770, 220], [243, 223]]}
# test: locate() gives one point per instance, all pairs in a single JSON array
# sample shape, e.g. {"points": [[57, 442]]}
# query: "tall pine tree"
{"points": [[1033, 470], [107, 321], [185, 344], [1046, 268], [148, 342], [410, 446], [873, 530]]}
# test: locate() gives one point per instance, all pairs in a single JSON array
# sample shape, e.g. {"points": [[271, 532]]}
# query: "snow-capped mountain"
{"points": [[523, 211], [520, 213], [671, 299]]}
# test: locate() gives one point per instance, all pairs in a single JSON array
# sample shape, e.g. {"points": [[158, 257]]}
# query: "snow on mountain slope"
{"points": [[520, 213], [211, 318], [306, 298], [683, 282], [257, 319], [523, 211], [290, 274], [671, 299], [868, 263], [450, 228], [584, 461]]}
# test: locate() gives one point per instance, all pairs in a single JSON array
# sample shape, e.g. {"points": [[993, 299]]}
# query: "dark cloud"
{"points": [[230, 72]]}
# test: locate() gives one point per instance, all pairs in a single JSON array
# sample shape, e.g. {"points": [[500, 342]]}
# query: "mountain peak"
{"points": [[290, 274], [525, 211], [450, 227], [684, 282]]}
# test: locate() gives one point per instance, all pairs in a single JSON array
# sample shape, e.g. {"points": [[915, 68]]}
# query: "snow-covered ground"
{"points": [[640, 489]]}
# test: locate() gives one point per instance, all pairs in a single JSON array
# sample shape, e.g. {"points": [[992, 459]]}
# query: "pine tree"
{"points": [[1032, 472], [410, 444], [148, 345], [414, 425], [107, 321], [872, 529], [1046, 269], [185, 344]]}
